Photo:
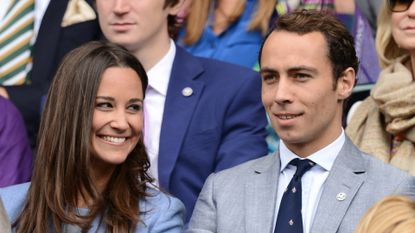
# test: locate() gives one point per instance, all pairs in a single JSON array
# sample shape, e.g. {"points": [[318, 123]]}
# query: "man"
{"points": [[201, 115], [308, 68], [59, 27]]}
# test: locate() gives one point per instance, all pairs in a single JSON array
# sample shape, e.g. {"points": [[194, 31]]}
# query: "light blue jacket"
{"points": [[163, 213]]}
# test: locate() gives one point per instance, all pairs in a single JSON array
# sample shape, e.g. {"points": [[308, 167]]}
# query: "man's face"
{"points": [[134, 24], [298, 92]]}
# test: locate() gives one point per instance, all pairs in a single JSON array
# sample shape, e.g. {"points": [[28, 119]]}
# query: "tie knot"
{"points": [[303, 165]]}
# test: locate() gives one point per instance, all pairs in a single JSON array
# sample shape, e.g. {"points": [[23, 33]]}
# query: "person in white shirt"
{"points": [[201, 115]]}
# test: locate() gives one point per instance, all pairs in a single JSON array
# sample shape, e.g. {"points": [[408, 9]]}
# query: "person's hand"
{"points": [[3, 92], [344, 6], [184, 11]]}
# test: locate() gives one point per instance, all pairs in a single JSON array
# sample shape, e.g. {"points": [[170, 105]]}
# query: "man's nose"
{"points": [[121, 6], [283, 91]]}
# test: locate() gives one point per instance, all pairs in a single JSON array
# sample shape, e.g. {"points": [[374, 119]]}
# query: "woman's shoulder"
{"points": [[161, 212], [159, 200], [14, 198]]}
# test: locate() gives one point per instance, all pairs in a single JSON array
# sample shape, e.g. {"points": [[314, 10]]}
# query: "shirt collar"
{"points": [[324, 157], [159, 74]]}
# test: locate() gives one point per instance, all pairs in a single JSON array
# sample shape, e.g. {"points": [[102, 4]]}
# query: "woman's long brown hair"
{"points": [[198, 16], [62, 171]]}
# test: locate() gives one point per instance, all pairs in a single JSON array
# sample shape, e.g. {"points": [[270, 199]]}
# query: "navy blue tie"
{"points": [[289, 218]]}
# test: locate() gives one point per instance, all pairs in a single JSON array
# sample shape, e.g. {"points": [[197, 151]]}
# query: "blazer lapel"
{"points": [[178, 110], [48, 38], [261, 195], [342, 184]]}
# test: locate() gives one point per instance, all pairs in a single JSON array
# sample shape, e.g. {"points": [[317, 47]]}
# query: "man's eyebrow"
{"points": [[267, 70], [303, 68]]}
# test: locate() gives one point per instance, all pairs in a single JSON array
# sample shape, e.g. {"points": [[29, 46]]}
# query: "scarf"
{"points": [[386, 115]]}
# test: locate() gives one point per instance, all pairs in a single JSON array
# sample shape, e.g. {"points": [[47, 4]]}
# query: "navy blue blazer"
{"points": [[52, 43], [220, 125]]}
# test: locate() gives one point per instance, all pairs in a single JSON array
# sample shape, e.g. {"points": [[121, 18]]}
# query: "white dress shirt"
{"points": [[158, 81], [312, 182]]}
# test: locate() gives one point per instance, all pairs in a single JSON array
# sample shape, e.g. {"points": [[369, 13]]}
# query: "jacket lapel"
{"points": [[48, 38], [261, 195], [345, 179], [178, 110]]}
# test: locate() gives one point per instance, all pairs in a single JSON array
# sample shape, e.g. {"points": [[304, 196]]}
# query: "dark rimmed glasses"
{"points": [[399, 5]]}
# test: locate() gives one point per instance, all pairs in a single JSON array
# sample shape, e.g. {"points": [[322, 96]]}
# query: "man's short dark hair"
{"points": [[341, 51]]}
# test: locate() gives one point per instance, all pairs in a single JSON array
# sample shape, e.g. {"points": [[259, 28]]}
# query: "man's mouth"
{"points": [[287, 116]]}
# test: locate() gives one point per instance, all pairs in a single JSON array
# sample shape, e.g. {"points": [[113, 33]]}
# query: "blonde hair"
{"points": [[199, 12], [388, 49], [394, 214]]}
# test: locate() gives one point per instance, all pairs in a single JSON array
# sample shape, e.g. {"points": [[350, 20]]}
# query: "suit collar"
{"points": [[345, 179], [178, 110], [48, 38], [159, 75], [261, 194]]}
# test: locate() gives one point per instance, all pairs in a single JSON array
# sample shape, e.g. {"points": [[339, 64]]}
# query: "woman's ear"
{"points": [[346, 83]]}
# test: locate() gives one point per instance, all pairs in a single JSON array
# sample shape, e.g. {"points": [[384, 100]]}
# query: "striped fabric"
{"points": [[16, 32], [285, 6]]}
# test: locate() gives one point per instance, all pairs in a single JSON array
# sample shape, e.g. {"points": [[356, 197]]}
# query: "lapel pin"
{"points": [[187, 91], [341, 196]]}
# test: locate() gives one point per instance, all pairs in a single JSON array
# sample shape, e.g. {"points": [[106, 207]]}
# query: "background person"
{"points": [[15, 151], [202, 115], [384, 123], [394, 214]]}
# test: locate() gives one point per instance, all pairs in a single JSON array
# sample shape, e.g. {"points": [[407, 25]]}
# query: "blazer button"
{"points": [[187, 91]]}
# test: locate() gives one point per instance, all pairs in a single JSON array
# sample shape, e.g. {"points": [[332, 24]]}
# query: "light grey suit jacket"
{"points": [[242, 199]]}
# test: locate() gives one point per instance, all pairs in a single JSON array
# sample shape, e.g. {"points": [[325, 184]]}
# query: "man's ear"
{"points": [[173, 10], [346, 83]]}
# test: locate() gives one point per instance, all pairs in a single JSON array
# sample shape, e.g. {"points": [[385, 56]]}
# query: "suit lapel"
{"points": [[178, 110], [48, 38], [346, 177], [261, 195]]}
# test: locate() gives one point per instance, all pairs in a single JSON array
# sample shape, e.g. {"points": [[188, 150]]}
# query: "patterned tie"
{"points": [[289, 218], [16, 31]]}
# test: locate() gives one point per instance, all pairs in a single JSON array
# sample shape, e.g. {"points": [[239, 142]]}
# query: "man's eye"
{"points": [[268, 78], [302, 76]]}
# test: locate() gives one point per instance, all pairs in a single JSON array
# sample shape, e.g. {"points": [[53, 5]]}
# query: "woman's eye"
{"points": [[104, 105], [135, 107]]}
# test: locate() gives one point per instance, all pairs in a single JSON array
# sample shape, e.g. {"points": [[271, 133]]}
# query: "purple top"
{"points": [[15, 152]]}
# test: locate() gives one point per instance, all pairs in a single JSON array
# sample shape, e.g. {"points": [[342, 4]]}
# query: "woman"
{"points": [[227, 30], [90, 172], [383, 125], [394, 214]]}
